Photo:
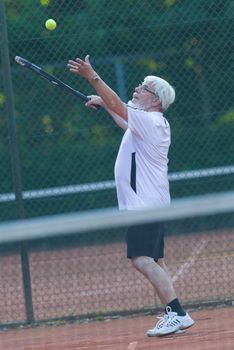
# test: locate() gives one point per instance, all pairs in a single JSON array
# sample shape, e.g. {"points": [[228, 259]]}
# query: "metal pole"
{"points": [[119, 72], [15, 160]]}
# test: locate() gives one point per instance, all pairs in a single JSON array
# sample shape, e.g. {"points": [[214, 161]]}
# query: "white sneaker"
{"points": [[170, 323]]}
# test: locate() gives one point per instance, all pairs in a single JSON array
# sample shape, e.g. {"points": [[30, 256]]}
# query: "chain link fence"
{"points": [[61, 156], [62, 143]]}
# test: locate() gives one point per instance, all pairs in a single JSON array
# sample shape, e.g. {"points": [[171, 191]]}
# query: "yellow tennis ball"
{"points": [[50, 24]]}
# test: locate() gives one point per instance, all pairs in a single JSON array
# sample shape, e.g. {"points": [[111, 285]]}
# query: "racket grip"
{"points": [[96, 106]]}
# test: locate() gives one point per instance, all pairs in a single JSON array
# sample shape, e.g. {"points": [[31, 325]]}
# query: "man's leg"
{"points": [[175, 317], [158, 275]]}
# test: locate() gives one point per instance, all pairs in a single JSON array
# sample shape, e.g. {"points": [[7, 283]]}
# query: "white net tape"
{"points": [[57, 225]]}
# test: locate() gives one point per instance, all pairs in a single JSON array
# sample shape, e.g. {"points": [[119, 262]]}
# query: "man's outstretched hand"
{"points": [[82, 67]]}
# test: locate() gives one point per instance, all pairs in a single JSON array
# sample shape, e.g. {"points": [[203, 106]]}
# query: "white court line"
{"points": [[191, 259], [132, 346]]}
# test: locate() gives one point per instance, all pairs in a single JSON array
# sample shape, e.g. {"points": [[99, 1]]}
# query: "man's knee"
{"points": [[162, 264], [141, 263]]}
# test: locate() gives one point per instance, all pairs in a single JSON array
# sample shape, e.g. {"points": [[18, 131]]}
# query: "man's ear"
{"points": [[156, 103]]}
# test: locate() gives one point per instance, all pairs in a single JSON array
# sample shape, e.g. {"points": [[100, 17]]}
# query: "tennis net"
{"points": [[74, 266]]}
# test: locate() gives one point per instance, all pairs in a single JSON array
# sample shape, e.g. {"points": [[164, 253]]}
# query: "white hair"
{"points": [[163, 90]]}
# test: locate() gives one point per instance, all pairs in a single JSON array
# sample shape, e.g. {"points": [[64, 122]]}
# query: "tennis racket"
{"points": [[39, 71]]}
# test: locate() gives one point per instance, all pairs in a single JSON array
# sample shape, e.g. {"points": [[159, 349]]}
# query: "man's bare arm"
{"points": [[109, 97], [97, 101]]}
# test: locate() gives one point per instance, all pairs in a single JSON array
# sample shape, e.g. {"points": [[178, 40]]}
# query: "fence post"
{"points": [[15, 160], [119, 72]]}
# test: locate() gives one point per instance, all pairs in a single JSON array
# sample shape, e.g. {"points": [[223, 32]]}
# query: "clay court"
{"points": [[213, 330]]}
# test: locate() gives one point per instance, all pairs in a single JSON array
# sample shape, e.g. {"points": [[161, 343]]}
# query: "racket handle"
{"points": [[96, 106]]}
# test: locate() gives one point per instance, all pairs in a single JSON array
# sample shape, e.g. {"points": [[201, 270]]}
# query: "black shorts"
{"points": [[145, 240]]}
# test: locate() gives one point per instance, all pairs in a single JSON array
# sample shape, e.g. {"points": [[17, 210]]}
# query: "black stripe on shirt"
{"points": [[133, 172]]}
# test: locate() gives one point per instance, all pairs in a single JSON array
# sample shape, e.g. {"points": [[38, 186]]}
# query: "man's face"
{"points": [[143, 96]]}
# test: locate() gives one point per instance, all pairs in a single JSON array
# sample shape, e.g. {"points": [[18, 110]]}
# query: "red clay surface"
{"points": [[213, 330]]}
